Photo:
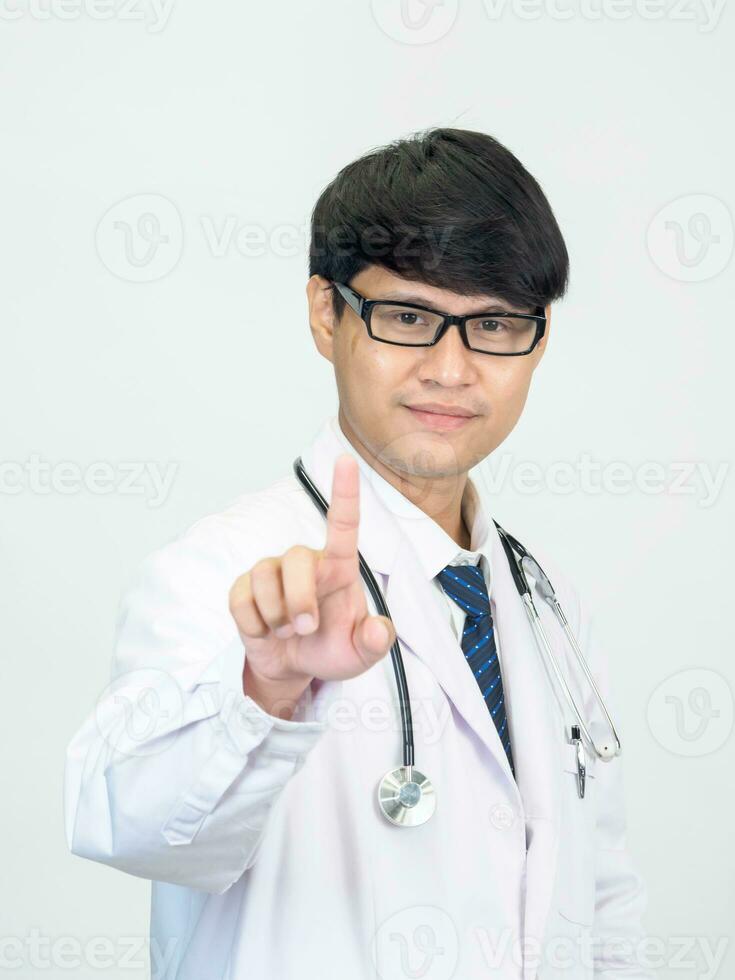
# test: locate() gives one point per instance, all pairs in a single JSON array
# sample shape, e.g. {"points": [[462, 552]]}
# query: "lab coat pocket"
{"points": [[576, 862]]}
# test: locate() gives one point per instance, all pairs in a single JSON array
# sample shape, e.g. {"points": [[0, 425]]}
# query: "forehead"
{"points": [[378, 283]]}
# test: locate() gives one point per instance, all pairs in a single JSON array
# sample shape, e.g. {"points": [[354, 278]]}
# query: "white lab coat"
{"points": [[269, 857]]}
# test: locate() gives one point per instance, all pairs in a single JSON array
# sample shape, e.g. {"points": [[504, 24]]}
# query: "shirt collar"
{"points": [[434, 547]]}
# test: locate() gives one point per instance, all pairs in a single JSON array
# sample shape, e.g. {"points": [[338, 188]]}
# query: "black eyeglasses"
{"points": [[410, 325]]}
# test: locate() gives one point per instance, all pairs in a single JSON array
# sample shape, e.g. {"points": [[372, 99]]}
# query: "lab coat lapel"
{"points": [[535, 725]]}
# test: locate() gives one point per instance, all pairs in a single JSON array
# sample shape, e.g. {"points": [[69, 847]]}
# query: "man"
{"points": [[253, 712]]}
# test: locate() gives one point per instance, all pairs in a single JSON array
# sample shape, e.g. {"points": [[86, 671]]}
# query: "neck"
{"points": [[440, 498]]}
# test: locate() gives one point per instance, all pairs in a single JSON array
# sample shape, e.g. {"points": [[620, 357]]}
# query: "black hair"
{"points": [[451, 208]]}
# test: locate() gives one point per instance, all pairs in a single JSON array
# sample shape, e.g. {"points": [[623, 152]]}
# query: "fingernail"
{"points": [[304, 623]]}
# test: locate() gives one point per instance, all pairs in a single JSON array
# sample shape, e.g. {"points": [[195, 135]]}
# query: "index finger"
{"points": [[343, 516]]}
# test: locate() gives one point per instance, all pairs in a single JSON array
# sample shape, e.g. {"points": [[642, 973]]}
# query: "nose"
{"points": [[449, 362]]}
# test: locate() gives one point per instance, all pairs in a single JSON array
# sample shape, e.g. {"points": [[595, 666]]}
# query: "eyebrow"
{"points": [[492, 306]]}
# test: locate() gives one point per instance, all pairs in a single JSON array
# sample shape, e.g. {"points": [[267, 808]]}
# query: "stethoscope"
{"points": [[406, 796]]}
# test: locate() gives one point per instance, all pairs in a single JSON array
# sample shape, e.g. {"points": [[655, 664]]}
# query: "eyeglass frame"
{"points": [[364, 307]]}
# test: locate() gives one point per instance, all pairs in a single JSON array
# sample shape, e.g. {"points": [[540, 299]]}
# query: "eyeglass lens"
{"points": [[494, 334]]}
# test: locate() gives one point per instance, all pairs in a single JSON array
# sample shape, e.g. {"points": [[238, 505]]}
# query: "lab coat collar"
{"points": [[387, 539]]}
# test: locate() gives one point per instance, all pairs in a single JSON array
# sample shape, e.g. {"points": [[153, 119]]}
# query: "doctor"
{"points": [[235, 756]]}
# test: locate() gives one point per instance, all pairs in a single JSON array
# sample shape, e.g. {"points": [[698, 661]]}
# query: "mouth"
{"points": [[434, 418]]}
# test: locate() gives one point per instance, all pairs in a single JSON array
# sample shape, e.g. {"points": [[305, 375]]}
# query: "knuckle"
{"points": [[341, 523], [298, 551], [240, 594], [265, 566], [254, 628], [276, 619]]}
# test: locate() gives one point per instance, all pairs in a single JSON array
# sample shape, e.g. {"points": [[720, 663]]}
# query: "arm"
{"points": [[173, 774]]}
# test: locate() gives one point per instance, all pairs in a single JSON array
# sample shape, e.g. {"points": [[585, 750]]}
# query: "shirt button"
{"points": [[502, 816]]}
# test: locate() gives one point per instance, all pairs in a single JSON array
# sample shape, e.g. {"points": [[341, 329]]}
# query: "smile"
{"points": [[435, 420]]}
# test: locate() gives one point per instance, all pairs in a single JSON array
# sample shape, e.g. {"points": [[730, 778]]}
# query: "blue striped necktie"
{"points": [[465, 584]]}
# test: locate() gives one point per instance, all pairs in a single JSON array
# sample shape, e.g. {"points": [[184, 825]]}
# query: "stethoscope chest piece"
{"points": [[406, 797]]}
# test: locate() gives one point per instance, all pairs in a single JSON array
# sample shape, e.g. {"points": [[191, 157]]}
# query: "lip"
{"points": [[441, 420], [438, 409]]}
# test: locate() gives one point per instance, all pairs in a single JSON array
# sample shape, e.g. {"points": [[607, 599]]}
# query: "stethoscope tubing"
{"points": [[547, 591], [511, 546]]}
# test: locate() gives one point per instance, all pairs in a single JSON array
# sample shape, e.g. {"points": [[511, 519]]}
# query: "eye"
{"points": [[407, 318], [492, 326]]}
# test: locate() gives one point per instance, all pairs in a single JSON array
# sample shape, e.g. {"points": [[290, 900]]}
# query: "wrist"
{"points": [[276, 696]]}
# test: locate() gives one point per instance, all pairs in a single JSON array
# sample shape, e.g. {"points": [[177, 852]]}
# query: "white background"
{"points": [[236, 116]]}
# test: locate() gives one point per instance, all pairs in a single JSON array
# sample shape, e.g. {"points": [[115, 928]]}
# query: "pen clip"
{"points": [[581, 767]]}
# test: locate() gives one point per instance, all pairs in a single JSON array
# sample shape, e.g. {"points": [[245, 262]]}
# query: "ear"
{"points": [[541, 346], [322, 320]]}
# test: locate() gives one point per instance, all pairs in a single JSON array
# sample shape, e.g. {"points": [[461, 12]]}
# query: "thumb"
{"points": [[373, 637]]}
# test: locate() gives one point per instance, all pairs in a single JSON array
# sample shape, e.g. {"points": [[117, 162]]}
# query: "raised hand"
{"points": [[303, 614]]}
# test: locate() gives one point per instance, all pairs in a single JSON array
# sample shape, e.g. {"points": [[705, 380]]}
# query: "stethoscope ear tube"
{"points": [[607, 751]]}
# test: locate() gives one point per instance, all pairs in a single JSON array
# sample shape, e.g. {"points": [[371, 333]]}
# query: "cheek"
{"points": [[507, 389], [365, 377], [370, 365]]}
